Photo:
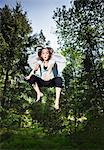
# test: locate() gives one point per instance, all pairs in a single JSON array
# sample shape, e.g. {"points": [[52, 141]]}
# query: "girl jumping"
{"points": [[48, 74]]}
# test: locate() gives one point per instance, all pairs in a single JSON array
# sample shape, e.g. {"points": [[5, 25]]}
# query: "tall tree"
{"points": [[16, 42], [15, 30], [80, 28]]}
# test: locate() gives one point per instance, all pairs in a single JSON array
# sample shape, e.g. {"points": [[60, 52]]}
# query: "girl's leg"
{"points": [[57, 100], [58, 84], [39, 93]]}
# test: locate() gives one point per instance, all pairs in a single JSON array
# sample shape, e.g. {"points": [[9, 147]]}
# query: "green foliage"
{"points": [[80, 34], [80, 30], [15, 30], [10, 118], [45, 114], [35, 138], [36, 40], [16, 42]]}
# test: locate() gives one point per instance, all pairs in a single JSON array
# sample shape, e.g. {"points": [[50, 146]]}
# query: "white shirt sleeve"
{"points": [[52, 62], [39, 62]]}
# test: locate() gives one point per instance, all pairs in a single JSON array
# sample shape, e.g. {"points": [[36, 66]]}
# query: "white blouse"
{"points": [[43, 70]]}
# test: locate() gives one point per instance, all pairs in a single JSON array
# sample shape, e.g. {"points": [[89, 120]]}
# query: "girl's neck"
{"points": [[45, 61]]}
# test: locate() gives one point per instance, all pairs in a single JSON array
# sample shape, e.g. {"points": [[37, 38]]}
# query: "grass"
{"points": [[27, 140], [35, 139]]}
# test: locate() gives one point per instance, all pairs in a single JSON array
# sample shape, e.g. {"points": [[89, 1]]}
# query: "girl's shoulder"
{"points": [[39, 62]]}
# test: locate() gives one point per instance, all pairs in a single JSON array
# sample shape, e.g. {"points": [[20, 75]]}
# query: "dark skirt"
{"points": [[55, 82]]}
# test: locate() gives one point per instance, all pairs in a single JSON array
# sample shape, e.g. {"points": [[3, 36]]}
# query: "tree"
{"points": [[16, 42], [14, 32], [80, 31], [15, 29]]}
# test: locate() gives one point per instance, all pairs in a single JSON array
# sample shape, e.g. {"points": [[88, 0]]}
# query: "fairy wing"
{"points": [[32, 60], [60, 61]]}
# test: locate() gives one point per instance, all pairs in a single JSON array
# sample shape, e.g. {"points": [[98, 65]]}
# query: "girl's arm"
{"points": [[36, 67]]}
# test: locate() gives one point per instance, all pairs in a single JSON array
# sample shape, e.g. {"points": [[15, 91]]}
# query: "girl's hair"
{"points": [[50, 52]]}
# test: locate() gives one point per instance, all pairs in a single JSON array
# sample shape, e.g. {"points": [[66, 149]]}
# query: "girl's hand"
{"points": [[27, 78]]}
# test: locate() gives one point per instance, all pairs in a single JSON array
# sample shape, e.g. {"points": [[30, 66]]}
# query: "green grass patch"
{"points": [[36, 139], [29, 140]]}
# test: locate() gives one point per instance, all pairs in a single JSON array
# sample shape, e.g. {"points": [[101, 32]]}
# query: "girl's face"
{"points": [[45, 54]]}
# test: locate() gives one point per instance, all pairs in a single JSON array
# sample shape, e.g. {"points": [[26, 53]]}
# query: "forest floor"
{"points": [[34, 139]]}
